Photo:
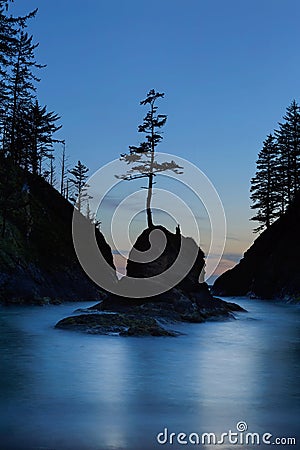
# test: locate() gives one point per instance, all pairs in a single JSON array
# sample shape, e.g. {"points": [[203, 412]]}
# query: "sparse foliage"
{"points": [[142, 158]]}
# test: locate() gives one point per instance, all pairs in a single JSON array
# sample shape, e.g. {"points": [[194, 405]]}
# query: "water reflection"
{"points": [[67, 390], [16, 354]]}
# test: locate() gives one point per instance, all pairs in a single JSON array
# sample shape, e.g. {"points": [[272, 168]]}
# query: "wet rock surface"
{"points": [[119, 324]]}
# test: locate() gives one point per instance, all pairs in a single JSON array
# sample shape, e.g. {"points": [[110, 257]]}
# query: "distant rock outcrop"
{"points": [[270, 268], [38, 263]]}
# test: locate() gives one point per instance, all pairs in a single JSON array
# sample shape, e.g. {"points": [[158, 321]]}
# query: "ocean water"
{"points": [[63, 390]]}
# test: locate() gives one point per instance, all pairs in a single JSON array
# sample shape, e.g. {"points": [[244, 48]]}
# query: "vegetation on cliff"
{"points": [[38, 263], [270, 268]]}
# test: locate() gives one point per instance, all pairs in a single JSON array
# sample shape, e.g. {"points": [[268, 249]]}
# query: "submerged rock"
{"points": [[174, 305], [120, 324], [145, 317]]}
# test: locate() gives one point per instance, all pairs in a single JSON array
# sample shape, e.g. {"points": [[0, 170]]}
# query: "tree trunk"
{"points": [[149, 197], [63, 161], [151, 175], [269, 194], [51, 172], [13, 150], [289, 180], [150, 184]]}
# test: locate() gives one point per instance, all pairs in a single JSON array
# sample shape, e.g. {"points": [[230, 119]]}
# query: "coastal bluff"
{"points": [[38, 263], [270, 268]]}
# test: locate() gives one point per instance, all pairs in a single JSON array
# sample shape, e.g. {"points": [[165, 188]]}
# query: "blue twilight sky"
{"points": [[228, 70]]}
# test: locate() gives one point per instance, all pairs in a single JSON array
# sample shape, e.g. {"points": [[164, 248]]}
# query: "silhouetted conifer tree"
{"points": [[78, 182], [10, 28], [264, 186], [49, 173], [277, 179], [142, 158], [20, 88], [288, 139], [26, 128], [41, 125], [64, 169]]}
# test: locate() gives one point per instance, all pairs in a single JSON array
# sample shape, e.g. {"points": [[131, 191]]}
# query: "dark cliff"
{"points": [[38, 263], [270, 268]]}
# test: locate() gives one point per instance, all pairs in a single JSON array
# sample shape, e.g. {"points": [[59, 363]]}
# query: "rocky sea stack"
{"points": [[187, 301], [270, 268]]}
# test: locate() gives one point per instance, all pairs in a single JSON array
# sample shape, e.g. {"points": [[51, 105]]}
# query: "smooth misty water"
{"points": [[64, 390]]}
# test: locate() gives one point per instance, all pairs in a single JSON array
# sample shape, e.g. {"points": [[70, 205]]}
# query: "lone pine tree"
{"points": [[143, 158]]}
